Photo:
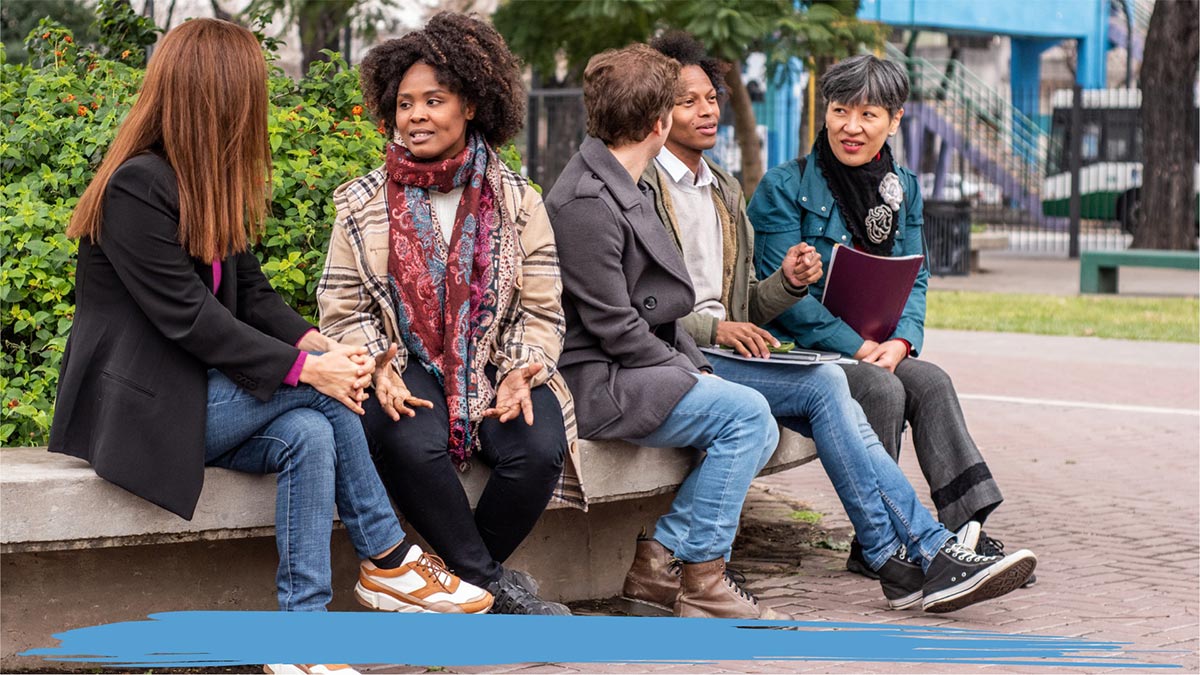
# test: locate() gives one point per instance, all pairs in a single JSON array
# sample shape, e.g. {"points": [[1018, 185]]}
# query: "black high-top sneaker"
{"points": [[856, 563], [990, 546], [958, 576], [902, 580]]}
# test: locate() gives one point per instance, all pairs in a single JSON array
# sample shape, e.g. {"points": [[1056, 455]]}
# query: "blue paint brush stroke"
{"points": [[199, 639]]}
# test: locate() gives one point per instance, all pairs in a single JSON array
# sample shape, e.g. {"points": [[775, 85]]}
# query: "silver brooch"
{"points": [[879, 224], [891, 191]]}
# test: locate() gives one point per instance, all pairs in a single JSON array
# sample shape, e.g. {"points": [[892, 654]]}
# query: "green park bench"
{"points": [[1098, 269]]}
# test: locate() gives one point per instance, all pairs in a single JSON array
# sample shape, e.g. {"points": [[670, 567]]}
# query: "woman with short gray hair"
{"points": [[850, 191]]}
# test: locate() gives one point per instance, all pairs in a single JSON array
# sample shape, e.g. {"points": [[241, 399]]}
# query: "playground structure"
{"points": [[952, 112], [986, 145]]}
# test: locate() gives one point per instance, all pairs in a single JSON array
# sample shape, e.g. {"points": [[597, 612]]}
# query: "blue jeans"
{"points": [[881, 503], [734, 425], [317, 447]]}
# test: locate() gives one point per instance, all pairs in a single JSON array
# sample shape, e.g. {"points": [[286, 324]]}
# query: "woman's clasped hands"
{"points": [[340, 372]]}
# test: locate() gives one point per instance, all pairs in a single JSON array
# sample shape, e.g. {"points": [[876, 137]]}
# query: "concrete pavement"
{"points": [[1095, 444]]}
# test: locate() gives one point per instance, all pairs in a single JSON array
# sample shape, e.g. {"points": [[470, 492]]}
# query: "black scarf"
{"points": [[869, 196]]}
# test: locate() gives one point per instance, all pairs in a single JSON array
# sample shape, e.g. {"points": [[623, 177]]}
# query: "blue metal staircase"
{"points": [[1001, 145]]}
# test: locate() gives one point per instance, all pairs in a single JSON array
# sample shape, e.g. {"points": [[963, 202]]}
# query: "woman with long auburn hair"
{"points": [[182, 355]]}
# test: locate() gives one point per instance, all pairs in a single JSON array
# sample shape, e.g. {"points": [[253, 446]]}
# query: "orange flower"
{"points": [[356, 110], [68, 39], [69, 98], [14, 403], [82, 110], [95, 106], [382, 129], [58, 53], [45, 36], [125, 54]]}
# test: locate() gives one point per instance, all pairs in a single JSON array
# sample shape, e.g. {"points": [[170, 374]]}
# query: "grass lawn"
{"points": [[1163, 319]]}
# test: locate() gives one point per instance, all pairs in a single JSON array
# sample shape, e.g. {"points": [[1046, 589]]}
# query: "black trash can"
{"points": [[948, 237]]}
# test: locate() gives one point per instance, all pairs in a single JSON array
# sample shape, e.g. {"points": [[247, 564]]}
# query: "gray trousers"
{"points": [[920, 393]]}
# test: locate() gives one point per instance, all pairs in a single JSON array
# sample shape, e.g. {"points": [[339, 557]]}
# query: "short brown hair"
{"points": [[626, 91]]}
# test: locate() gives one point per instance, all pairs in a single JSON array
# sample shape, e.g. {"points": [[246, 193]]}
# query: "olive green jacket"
{"points": [[750, 300]]}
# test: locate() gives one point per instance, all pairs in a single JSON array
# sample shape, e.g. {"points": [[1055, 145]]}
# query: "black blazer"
{"points": [[625, 286], [133, 385]]}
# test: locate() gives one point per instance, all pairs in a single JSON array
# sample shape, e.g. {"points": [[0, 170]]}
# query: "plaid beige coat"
{"points": [[356, 308]]}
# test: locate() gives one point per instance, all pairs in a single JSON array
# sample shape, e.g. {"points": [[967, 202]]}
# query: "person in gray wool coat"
{"points": [[636, 373]]}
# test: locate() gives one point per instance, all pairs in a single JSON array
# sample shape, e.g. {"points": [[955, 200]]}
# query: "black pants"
{"points": [[421, 477], [960, 483]]}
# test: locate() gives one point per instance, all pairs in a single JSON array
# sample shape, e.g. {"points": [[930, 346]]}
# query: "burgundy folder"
{"points": [[867, 291]]}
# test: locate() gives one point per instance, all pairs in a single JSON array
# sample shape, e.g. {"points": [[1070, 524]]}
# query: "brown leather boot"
{"points": [[652, 580], [708, 590]]}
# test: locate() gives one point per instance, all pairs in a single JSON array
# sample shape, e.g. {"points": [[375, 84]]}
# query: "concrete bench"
{"points": [[80, 551], [986, 241], [1098, 269]]}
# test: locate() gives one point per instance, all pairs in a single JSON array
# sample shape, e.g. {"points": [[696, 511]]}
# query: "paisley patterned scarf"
{"points": [[868, 196], [445, 294]]}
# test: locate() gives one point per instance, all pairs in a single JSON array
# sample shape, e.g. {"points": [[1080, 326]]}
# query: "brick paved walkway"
{"points": [[1108, 497]]}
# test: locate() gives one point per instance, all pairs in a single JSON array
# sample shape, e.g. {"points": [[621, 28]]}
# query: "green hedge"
{"points": [[59, 114]]}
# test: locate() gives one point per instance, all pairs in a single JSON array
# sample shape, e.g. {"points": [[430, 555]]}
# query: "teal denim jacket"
{"points": [[788, 208]]}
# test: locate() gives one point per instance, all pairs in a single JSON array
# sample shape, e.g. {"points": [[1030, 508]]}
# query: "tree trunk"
{"points": [[219, 13], [321, 23], [821, 65], [1167, 218], [745, 130]]}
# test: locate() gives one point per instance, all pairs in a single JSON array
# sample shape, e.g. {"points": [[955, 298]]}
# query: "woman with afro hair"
{"points": [[442, 264]]}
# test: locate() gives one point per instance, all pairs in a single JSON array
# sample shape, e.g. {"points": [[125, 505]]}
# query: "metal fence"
{"points": [[556, 125], [968, 143]]}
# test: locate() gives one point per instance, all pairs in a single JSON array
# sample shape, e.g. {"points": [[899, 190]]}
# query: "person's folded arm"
{"points": [[772, 296], [771, 293]]}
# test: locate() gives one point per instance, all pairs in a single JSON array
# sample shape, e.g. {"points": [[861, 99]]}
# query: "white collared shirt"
{"points": [[699, 229]]}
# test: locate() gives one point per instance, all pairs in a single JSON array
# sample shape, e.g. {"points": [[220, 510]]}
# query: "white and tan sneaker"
{"points": [[309, 669], [421, 584]]}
